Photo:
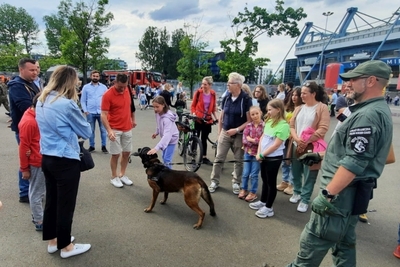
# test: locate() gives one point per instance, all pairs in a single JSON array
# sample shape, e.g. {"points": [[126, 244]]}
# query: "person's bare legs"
{"points": [[114, 164], [124, 162]]}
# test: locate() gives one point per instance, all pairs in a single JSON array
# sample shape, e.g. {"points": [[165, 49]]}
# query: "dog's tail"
{"points": [[206, 195]]}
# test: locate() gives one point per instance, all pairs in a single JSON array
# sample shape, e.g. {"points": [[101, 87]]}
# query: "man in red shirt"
{"points": [[118, 117], [31, 161]]}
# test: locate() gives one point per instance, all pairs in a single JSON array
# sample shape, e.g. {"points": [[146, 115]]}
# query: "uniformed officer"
{"points": [[355, 157]]}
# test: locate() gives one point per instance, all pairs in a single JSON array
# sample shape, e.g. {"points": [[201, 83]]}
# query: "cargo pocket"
{"points": [[331, 228]]}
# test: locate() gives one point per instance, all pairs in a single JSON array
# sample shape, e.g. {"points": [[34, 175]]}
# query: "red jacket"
{"points": [[198, 105], [29, 137]]}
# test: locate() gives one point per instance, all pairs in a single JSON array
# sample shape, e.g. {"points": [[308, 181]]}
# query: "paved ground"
{"points": [[121, 234]]}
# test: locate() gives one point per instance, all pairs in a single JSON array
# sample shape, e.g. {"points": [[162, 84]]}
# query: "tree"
{"points": [[250, 25], [29, 30], [81, 41], [17, 24], [193, 66], [153, 48], [54, 25], [9, 56], [173, 54]]}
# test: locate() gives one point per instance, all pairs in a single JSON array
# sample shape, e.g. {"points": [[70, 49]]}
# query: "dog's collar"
{"points": [[155, 179]]}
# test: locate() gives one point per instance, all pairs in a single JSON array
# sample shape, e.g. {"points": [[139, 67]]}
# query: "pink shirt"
{"points": [[254, 132]]}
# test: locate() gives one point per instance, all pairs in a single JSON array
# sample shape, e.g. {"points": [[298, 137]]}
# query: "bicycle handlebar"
{"points": [[193, 117]]}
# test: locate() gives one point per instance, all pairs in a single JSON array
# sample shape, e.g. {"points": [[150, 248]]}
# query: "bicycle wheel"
{"points": [[193, 154], [181, 140]]}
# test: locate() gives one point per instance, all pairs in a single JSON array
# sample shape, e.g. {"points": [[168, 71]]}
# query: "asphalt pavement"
{"points": [[112, 219]]}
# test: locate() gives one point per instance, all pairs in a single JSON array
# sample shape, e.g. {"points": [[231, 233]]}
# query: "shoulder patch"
{"points": [[359, 138]]}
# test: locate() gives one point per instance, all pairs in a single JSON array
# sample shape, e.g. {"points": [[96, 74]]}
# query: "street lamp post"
{"points": [[326, 14]]}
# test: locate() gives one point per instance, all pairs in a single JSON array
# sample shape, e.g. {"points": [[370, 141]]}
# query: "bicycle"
{"points": [[189, 144]]}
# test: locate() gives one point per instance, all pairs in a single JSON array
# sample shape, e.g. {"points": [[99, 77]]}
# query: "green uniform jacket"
{"points": [[362, 143]]}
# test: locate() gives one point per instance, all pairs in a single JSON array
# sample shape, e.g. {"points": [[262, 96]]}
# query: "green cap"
{"points": [[375, 68]]}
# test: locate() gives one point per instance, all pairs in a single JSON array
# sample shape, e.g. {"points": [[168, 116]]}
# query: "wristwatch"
{"points": [[326, 194]]}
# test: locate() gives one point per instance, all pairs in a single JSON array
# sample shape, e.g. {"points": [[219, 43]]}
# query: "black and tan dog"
{"points": [[163, 179]]}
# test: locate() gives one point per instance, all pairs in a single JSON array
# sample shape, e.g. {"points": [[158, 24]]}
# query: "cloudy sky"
{"points": [[132, 17]]}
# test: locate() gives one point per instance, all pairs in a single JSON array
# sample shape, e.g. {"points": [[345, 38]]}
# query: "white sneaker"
{"points": [[302, 207], [295, 198], [265, 212], [235, 188], [256, 205], [116, 182], [126, 180], [213, 186], [78, 249], [52, 249]]}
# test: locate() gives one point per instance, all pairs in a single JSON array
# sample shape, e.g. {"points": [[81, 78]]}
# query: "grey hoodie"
{"points": [[167, 129]]}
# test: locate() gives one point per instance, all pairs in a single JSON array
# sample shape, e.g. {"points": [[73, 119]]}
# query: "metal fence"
{"points": [[220, 87]]}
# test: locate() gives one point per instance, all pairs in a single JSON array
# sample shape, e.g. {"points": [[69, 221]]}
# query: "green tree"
{"points": [[17, 24], [193, 65], [153, 48], [173, 54], [82, 44], [29, 30], [240, 51], [54, 25], [9, 56]]}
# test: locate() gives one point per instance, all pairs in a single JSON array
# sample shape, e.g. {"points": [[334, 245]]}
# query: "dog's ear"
{"points": [[136, 154]]}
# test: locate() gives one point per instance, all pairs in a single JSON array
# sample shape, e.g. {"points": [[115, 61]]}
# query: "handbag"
{"points": [[391, 158], [87, 162], [309, 149]]}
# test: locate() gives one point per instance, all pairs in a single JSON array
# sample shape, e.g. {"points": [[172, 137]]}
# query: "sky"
{"points": [[213, 18]]}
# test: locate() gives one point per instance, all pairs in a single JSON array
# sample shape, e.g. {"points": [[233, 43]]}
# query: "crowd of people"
{"points": [[264, 135]]}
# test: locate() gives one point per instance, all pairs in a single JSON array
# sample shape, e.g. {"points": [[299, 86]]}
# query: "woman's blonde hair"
{"points": [[63, 80], [247, 90], [278, 104], [208, 79]]}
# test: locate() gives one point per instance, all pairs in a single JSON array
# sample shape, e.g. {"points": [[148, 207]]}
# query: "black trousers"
{"points": [[62, 181], [203, 131], [269, 172]]}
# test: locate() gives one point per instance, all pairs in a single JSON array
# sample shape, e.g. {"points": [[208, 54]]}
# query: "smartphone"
{"points": [[341, 117]]}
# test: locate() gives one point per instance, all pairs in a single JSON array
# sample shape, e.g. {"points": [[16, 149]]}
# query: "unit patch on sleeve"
{"points": [[359, 138]]}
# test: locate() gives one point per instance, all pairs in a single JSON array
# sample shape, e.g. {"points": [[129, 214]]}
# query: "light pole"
{"points": [[326, 14]]}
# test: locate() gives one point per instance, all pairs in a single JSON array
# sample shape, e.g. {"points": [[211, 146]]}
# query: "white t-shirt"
{"points": [[281, 96], [305, 118]]}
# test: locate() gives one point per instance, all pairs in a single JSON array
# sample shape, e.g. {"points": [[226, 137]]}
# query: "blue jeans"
{"points": [[168, 154], [91, 119], [250, 170], [287, 175], [23, 184], [399, 235]]}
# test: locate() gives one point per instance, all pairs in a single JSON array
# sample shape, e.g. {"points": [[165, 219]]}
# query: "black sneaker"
{"points": [[24, 199], [207, 161], [104, 149], [91, 149]]}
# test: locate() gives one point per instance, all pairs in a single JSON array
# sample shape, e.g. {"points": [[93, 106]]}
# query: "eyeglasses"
{"points": [[231, 83]]}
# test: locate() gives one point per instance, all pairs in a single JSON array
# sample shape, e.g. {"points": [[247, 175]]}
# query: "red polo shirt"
{"points": [[118, 106]]}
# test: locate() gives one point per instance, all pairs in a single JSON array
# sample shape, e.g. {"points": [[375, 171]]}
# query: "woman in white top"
{"points": [[313, 114], [281, 89]]}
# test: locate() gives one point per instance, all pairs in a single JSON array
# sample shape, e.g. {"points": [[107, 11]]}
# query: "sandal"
{"points": [[251, 197], [242, 194]]}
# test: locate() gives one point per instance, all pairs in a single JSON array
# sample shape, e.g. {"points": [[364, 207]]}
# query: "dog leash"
{"points": [[236, 161]]}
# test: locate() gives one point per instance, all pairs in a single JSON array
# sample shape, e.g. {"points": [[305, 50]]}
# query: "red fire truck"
{"points": [[136, 77]]}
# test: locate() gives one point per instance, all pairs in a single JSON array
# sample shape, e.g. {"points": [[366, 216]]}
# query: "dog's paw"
{"points": [[147, 210], [163, 201], [196, 226]]}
